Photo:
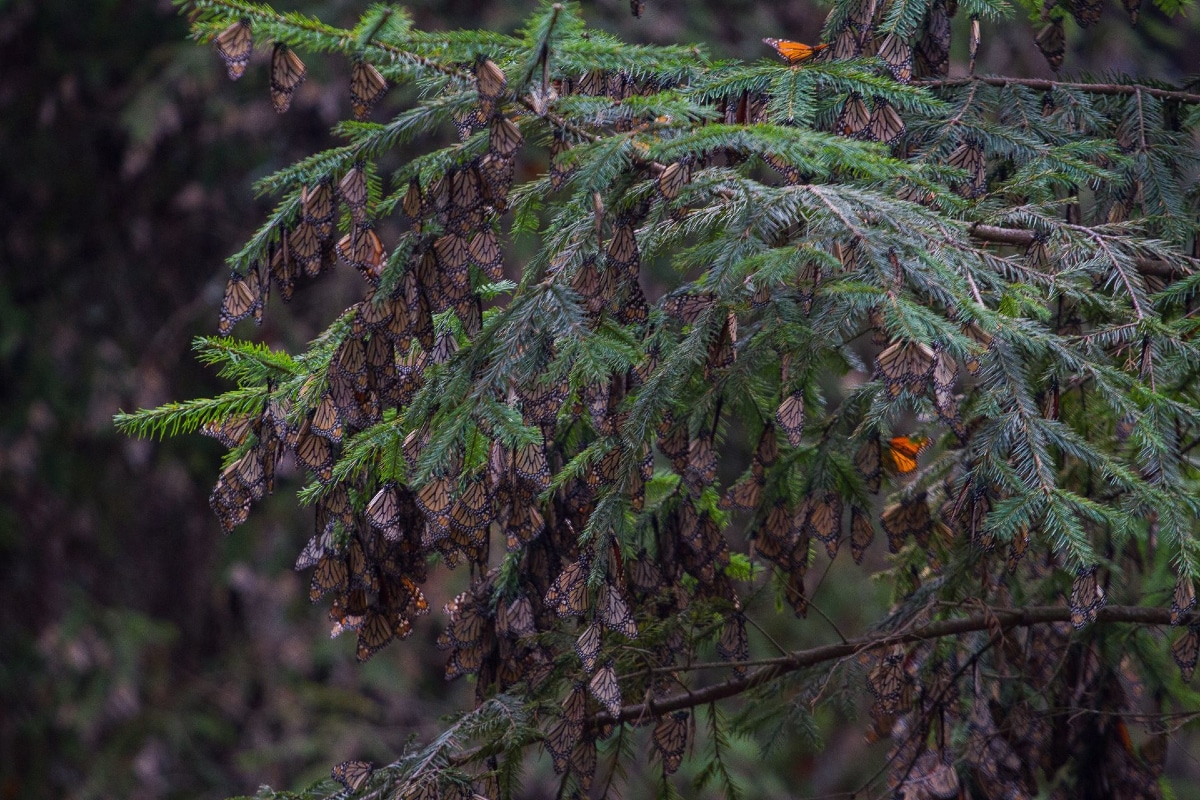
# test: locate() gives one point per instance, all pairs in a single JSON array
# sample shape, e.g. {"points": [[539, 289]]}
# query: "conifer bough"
{"points": [[737, 308]]}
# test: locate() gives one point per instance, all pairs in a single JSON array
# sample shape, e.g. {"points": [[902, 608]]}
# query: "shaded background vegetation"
{"points": [[141, 654]]}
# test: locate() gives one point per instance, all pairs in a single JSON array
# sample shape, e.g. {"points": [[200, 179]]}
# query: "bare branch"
{"points": [[1020, 237], [799, 659], [1047, 85]]}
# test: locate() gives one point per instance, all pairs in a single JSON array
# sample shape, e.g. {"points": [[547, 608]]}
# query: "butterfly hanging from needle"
{"points": [[794, 52]]}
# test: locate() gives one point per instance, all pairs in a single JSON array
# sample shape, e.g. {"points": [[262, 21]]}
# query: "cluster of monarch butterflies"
{"points": [[370, 547], [235, 44], [917, 699]]}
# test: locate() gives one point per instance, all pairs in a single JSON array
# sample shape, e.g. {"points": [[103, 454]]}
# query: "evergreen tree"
{"points": [[956, 311]]}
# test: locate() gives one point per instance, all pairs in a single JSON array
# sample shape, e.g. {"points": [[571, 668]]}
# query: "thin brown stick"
{"points": [[1041, 84], [1020, 237], [799, 659]]}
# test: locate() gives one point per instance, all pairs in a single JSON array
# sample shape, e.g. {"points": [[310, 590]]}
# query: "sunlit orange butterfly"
{"points": [[900, 455], [794, 52]]}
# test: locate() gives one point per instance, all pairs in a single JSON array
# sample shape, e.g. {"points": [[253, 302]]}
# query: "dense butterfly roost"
{"points": [[583, 426]]}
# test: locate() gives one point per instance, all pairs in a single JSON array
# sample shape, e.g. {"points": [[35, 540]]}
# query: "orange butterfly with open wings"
{"points": [[794, 52]]}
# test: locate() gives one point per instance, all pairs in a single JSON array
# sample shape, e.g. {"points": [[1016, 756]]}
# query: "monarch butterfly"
{"points": [[1087, 597], [317, 209], [969, 158], [849, 41], [560, 172], [451, 252], [980, 337], [1085, 12], [793, 590], [542, 401], [932, 58], [1053, 44], [900, 455], [367, 87], [231, 506], [231, 432], [868, 460], [353, 191], [583, 762], [464, 662], [1183, 599], [496, 174], [672, 179], [744, 494], [604, 688], [897, 55], [733, 644], [519, 614], [287, 73], [587, 647], [433, 500], [702, 464], [505, 138], [331, 575], [775, 532], [466, 623], [473, 510], [862, 533], [529, 463], [615, 614], [413, 203], [560, 741], [234, 45], [824, 520], [885, 126], [687, 308], [887, 681], [670, 739], [1186, 651], [490, 80], [305, 243], [766, 453], [384, 509], [281, 268], [1132, 7], [905, 365], [567, 596], [352, 774], [622, 249], [793, 52], [485, 253], [317, 454], [247, 473], [790, 416], [243, 297], [374, 634], [1016, 550], [634, 310], [350, 361], [854, 117], [905, 519], [363, 250], [791, 175]]}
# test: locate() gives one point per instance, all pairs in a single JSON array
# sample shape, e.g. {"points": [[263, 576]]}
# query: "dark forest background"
{"points": [[141, 653]]}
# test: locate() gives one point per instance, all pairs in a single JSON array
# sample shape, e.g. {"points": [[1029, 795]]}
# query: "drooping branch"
{"points": [[1044, 85], [992, 619]]}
